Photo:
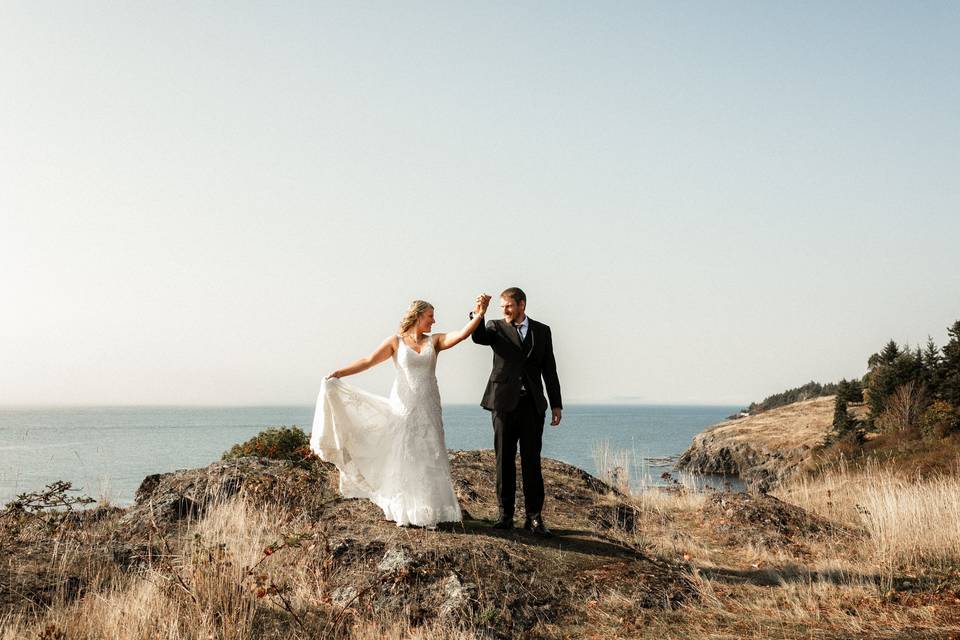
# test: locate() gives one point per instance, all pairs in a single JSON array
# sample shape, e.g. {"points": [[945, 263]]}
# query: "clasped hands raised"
{"points": [[483, 301]]}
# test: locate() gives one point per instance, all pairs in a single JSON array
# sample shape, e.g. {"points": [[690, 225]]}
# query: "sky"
{"points": [[221, 202]]}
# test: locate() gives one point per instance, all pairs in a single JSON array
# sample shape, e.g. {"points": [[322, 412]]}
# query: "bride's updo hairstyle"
{"points": [[409, 320]]}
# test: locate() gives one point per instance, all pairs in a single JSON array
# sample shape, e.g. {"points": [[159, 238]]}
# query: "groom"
{"points": [[522, 355]]}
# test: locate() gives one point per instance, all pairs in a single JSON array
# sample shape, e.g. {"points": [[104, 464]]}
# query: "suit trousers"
{"points": [[523, 425]]}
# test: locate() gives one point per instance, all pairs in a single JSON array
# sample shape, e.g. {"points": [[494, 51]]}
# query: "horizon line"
{"points": [[593, 403]]}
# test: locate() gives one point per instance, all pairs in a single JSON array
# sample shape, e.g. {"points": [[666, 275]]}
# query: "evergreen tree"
{"points": [[843, 389], [891, 372], [950, 367], [854, 391], [889, 354], [930, 362], [810, 390], [843, 422]]}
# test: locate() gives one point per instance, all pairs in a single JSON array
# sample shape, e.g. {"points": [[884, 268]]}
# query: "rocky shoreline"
{"points": [[763, 449]]}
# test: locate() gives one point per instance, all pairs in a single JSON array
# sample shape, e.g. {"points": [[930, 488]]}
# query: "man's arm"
{"points": [[484, 333], [551, 380]]}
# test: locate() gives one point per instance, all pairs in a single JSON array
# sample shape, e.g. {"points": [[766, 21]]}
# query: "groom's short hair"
{"points": [[516, 293]]}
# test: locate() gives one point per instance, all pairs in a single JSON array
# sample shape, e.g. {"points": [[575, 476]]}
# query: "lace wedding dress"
{"points": [[390, 450]]}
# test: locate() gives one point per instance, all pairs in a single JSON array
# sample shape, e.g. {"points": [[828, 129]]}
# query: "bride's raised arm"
{"points": [[446, 340], [384, 351]]}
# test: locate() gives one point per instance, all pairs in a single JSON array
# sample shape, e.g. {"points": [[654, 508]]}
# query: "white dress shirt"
{"points": [[523, 327]]}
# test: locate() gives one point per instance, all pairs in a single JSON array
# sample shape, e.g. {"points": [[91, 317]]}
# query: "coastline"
{"points": [[113, 450], [763, 449]]}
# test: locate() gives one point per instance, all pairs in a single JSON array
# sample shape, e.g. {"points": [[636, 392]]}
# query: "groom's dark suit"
{"points": [[514, 395]]}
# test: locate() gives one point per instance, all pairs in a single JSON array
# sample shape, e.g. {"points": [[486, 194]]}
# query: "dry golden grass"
{"points": [[912, 522], [198, 582], [195, 591], [202, 587], [839, 587], [835, 587], [797, 425]]}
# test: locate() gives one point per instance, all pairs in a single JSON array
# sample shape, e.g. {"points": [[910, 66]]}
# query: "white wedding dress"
{"points": [[390, 450]]}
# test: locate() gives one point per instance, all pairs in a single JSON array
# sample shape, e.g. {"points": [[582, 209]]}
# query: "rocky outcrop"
{"points": [[758, 467], [163, 500], [345, 561], [766, 521], [762, 449]]}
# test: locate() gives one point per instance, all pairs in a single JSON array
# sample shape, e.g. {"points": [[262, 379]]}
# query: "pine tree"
{"points": [[854, 391], [843, 422], [930, 362], [950, 367], [881, 385], [897, 366], [889, 354]]}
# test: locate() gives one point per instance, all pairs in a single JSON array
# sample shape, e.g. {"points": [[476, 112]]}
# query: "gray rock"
{"points": [[457, 597], [343, 596], [759, 468], [395, 559], [165, 499], [339, 548]]}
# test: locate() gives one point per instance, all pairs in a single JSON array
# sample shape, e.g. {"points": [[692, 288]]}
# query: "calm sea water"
{"points": [[107, 451]]}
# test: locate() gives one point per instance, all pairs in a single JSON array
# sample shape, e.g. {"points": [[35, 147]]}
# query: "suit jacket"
{"points": [[514, 365]]}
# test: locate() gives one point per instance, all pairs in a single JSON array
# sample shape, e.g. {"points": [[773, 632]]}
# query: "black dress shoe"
{"points": [[534, 524], [503, 522]]}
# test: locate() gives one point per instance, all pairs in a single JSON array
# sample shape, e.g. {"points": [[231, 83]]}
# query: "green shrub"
{"points": [[278, 443], [939, 420]]}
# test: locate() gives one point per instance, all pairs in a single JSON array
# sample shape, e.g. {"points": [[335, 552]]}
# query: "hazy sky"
{"points": [[708, 202]]}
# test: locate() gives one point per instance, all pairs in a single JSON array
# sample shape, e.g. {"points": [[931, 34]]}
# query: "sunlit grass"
{"points": [[910, 521]]}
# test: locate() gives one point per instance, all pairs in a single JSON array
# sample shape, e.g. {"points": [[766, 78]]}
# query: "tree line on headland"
{"points": [[906, 389], [908, 401]]}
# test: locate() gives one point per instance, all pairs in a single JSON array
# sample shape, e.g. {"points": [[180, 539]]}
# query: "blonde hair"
{"points": [[416, 309]]}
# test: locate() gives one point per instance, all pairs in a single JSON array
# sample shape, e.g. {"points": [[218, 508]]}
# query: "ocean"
{"points": [[106, 451]]}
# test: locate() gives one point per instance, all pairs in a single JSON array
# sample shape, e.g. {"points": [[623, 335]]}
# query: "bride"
{"points": [[391, 450]]}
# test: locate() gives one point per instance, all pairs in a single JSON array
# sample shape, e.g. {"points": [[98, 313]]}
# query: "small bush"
{"points": [[939, 420], [50, 510], [278, 443], [847, 445]]}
